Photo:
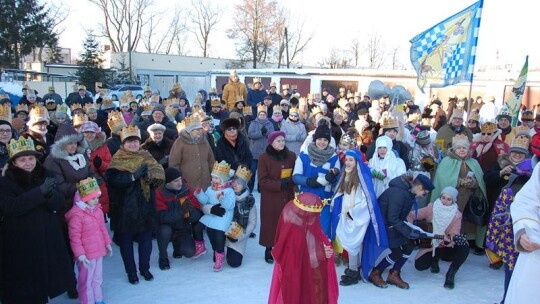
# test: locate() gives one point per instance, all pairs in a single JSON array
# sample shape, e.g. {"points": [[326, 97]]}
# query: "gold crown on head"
{"points": [[130, 131], [196, 109], [104, 93], [22, 145], [215, 102], [221, 169], [523, 131], [5, 113], [256, 80], [170, 101], [116, 121], [21, 107], [460, 140], [276, 108], [176, 86], [128, 94], [521, 142], [62, 108], [310, 208], [294, 87], [171, 111], [285, 87], [39, 111], [75, 106], [79, 119], [192, 120], [243, 172], [147, 89], [390, 122], [4, 96], [148, 107], [527, 115], [293, 110], [474, 116], [127, 98], [488, 127], [88, 186], [247, 110], [261, 108], [181, 126]]}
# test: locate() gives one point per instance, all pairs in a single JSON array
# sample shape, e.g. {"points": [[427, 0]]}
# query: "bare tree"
{"points": [[160, 39], [257, 25], [57, 15], [124, 21], [336, 60], [356, 51], [375, 50], [394, 54], [296, 40], [204, 18]]}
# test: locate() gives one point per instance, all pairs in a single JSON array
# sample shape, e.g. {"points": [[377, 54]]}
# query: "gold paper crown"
{"points": [[192, 120], [343, 102], [88, 186], [62, 108], [116, 121], [147, 89], [342, 89], [176, 86], [521, 142], [357, 94], [294, 87], [256, 79], [243, 172], [130, 131], [215, 102], [247, 110], [415, 117], [89, 106], [390, 122], [474, 116], [213, 90], [5, 113], [276, 108], [261, 108], [221, 169], [107, 103], [273, 84], [51, 88], [4, 96], [180, 126], [309, 96], [196, 109], [461, 140], [315, 110], [148, 107], [171, 111], [22, 145], [39, 111], [310, 208], [104, 93], [523, 131], [340, 111], [79, 119], [170, 101], [293, 110], [75, 106], [350, 95], [458, 113], [21, 107], [488, 127], [527, 115], [127, 98], [285, 87]]}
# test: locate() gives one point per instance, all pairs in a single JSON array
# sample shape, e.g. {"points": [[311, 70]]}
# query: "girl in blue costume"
{"points": [[357, 222], [316, 170]]}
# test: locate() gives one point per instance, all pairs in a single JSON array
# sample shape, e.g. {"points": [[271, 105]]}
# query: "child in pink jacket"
{"points": [[89, 240]]}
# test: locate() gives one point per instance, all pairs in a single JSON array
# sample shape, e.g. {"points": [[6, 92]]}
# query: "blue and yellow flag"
{"points": [[444, 54], [514, 100]]}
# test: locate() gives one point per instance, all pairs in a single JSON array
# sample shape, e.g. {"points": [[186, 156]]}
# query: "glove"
{"points": [[217, 210], [141, 172], [85, 262], [109, 250], [139, 111], [197, 191], [331, 176], [377, 174], [231, 239], [312, 182], [264, 130], [97, 162], [284, 184], [48, 185]]}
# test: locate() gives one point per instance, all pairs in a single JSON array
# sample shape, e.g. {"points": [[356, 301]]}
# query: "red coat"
{"points": [[103, 152]]}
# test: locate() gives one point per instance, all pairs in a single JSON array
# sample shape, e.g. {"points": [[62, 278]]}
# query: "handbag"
{"points": [[476, 210]]}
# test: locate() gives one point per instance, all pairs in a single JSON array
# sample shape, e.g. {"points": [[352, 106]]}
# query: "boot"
{"points": [[351, 277], [177, 254], [147, 275], [450, 275], [218, 265], [337, 259], [376, 278], [394, 278], [73, 293], [435, 266], [133, 278], [164, 264], [268, 255], [200, 249]]}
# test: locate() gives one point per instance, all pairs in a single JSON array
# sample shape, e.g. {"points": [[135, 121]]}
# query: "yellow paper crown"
{"points": [[39, 111], [21, 107], [79, 119], [521, 142], [273, 84], [75, 106], [4, 96], [527, 115], [276, 108], [171, 111], [104, 93], [5, 113], [192, 119], [147, 89], [256, 80], [488, 127], [89, 106], [22, 145], [62, 108], [180, 126], [247, 110], [261, 108], [390, 122], [523, 131], [148, 107], [130, 131], [128, 94], [310, 208], [87, 187], [222, 169], [127, 98], [293, 110], [107, 103], [243, 172], [170, 101], [116, 121], [176, 86], [196, 109], [215, 102], [474, 116], [285, 87], [460, 140]]}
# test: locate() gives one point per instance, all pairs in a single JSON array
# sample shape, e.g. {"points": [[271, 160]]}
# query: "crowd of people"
{"points": [[342, 179]]}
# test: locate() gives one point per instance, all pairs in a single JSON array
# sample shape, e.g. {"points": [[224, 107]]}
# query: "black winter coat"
{"points": [[35, 261], [239, 154], [113, 143], [396, 202], [130, 212], [159, 151]]}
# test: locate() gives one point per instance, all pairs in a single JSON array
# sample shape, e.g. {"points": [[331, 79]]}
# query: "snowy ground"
{"points": [[193, 281]]}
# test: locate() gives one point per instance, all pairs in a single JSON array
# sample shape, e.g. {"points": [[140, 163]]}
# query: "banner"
{"points": [[514, 100], [444, 54]]}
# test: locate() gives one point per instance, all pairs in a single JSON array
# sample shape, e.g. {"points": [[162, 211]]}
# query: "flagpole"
{"points": [[472, 72]]}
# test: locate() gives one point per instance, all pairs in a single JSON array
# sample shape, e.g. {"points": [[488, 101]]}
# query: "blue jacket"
{"points": [[210, 198]]}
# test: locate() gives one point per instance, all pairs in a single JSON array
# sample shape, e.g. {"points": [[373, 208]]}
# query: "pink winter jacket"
{"points": [[87, 232]]}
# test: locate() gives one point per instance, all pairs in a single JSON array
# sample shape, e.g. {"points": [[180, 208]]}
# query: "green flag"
{"points": [[514, 100]]}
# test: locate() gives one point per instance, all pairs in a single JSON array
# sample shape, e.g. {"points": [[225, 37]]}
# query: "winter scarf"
{"points": [[76, 161], [131, 161], [442, 217], [277, 155], [243, 207], [483, 147], [320, 157]]}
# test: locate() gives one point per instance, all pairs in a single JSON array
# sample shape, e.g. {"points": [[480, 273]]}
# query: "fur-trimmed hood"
{"points": [[58, 148], [99, 141]]}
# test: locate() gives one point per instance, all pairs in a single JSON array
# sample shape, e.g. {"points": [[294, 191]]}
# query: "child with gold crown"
{"points": [[218, 202], [89, 240]]}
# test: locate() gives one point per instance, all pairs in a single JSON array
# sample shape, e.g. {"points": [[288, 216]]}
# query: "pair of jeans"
{"points": [[457, 255]]}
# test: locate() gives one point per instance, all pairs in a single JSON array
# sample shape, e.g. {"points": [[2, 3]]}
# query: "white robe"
{"points": [[393, 165], [525, 211], [350, 233]]}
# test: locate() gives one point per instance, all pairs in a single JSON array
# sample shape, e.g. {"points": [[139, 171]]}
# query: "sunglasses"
{"points": [[231, 129], [472, 121], [487, 133]]}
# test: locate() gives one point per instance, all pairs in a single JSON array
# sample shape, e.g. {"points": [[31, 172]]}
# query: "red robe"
{"points": [[302, 273]]}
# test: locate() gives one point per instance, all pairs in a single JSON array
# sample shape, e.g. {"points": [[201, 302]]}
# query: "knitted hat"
{"points": [[423, 138], [451, 191], [172, 174], [90, 126], [425, 181], [159, 107], [275, 135], [322, 131], [460, 140], [155, 127]]}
